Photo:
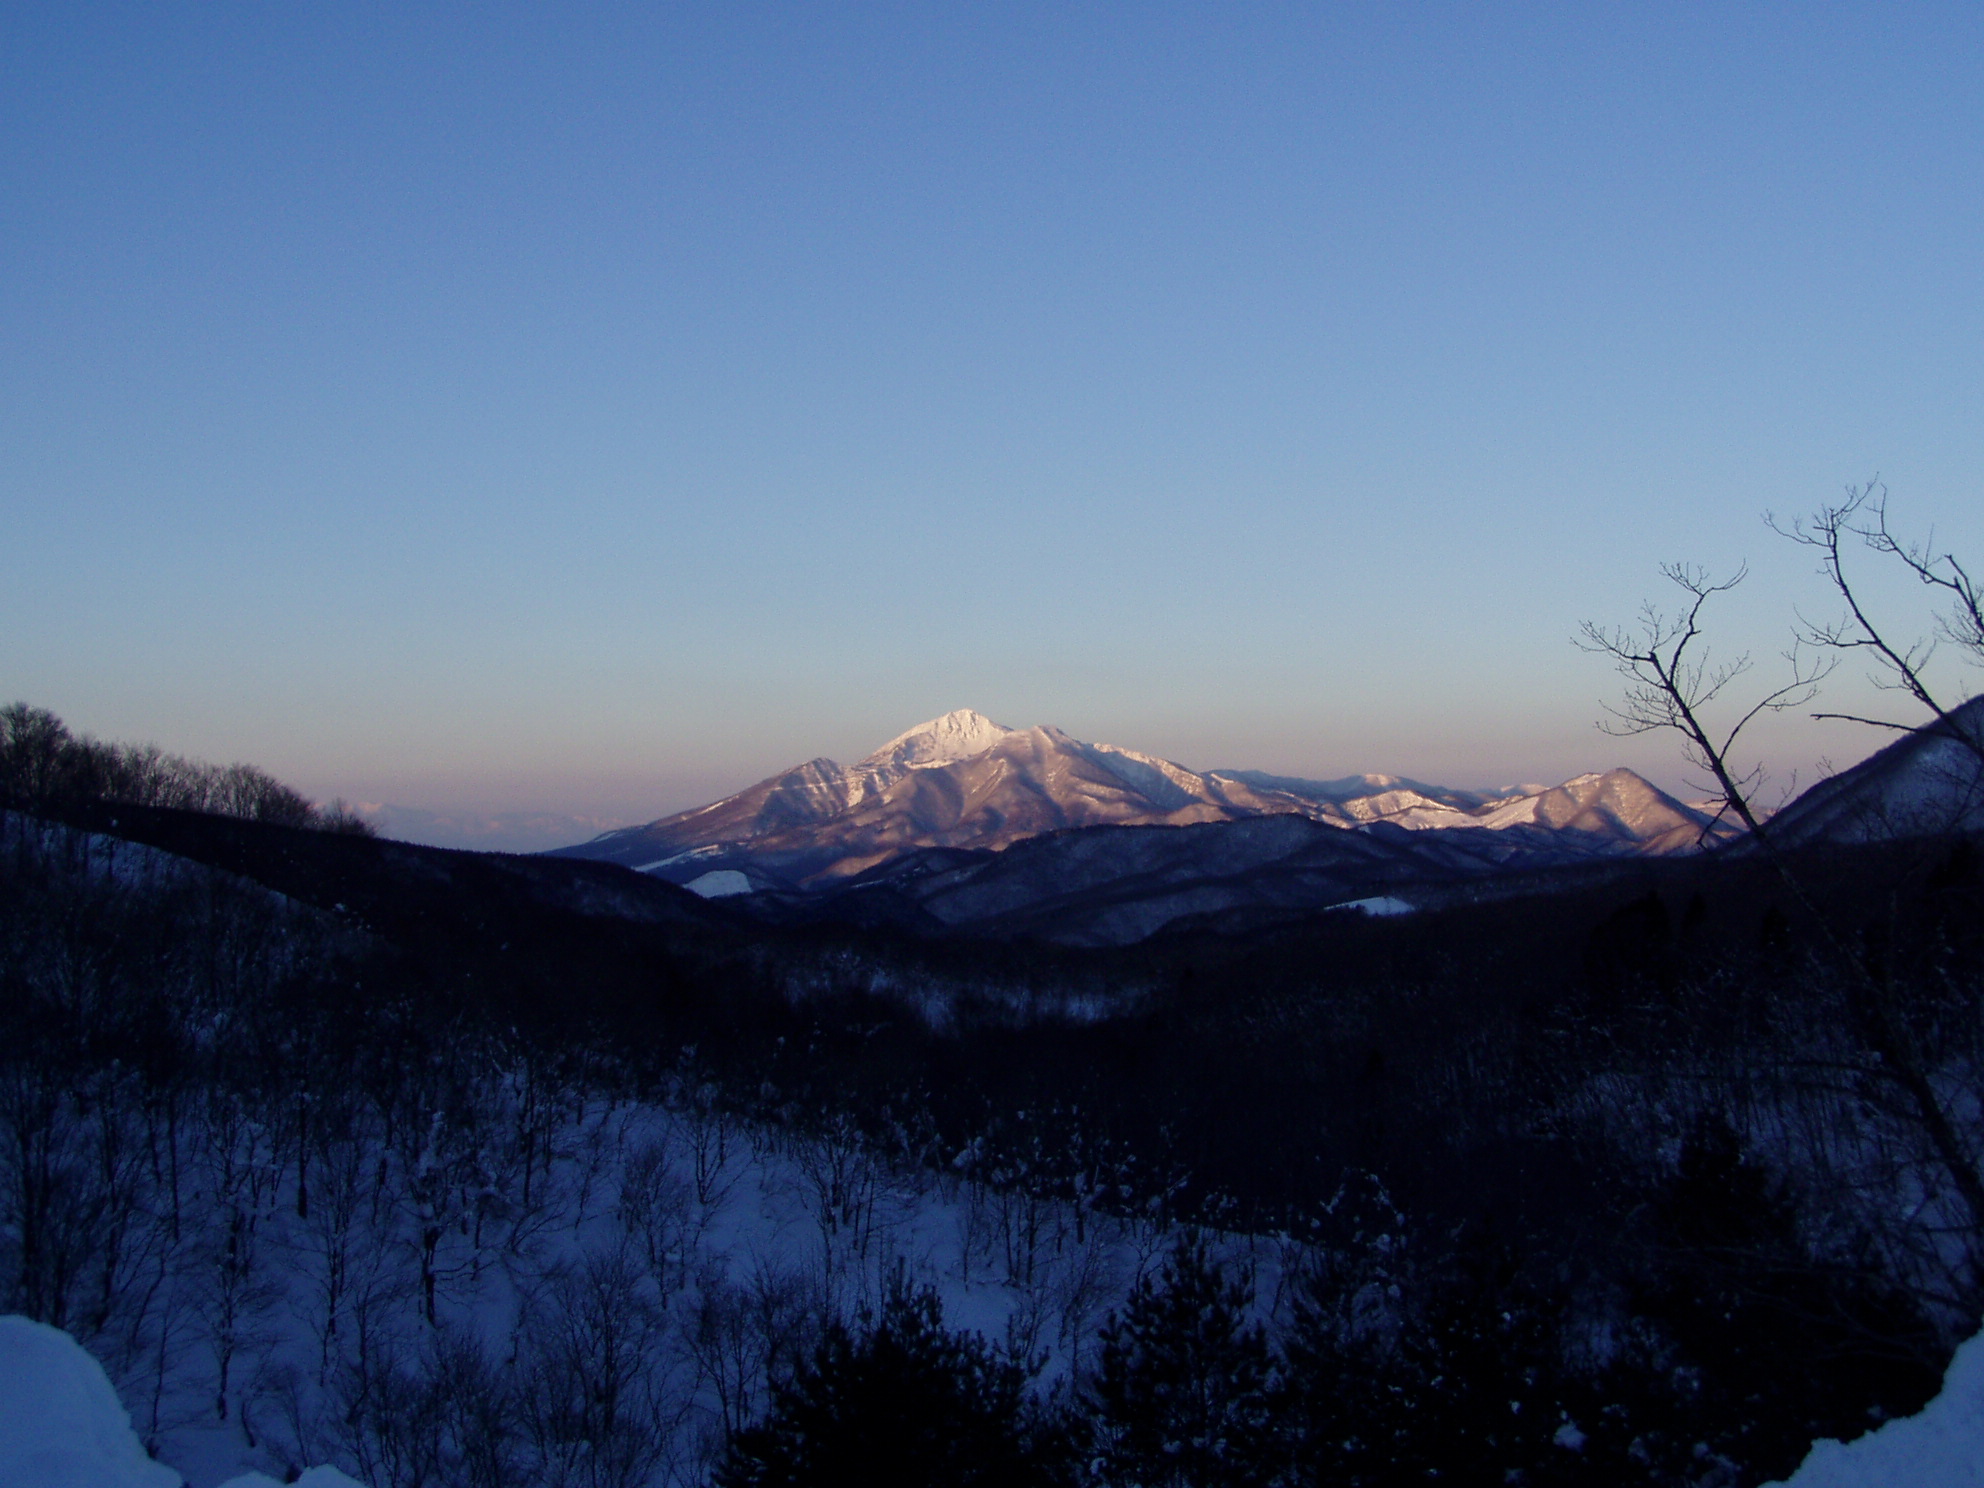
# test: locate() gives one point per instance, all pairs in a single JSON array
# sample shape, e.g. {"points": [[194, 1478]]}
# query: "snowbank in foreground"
{"points": [[1943, 1447], [62, 1425], [316, 1477]]}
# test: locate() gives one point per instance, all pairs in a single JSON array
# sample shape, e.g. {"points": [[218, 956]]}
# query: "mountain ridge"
{"points": [[1927, 782], [965, 781]]}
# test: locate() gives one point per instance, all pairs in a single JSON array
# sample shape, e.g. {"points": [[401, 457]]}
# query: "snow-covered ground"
{"points": [[61, 1423], [698, 1250], [63, 1426], [348, 1264], [1379, 904], [1942, 1447]]}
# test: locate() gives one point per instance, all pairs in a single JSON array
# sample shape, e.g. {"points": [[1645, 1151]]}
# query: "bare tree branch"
{"points": [[1672, 682], [1900, 728], [1901, 666]]}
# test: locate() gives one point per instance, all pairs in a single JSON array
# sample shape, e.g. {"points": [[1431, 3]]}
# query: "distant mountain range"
{"points": [[964, 782], [964, 826], [484, 831]]}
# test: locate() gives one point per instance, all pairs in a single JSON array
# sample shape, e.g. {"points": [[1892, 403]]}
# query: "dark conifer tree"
{"points": [[899, 1402], [1460, 1385], [1181, 1396], [1790, 1346]]}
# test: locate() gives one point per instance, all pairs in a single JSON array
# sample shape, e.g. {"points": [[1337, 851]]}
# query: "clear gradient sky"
{"points": [[598, 407]]}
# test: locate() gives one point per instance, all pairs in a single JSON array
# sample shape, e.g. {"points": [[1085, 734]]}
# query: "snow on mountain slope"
{"points": [[1363, 798], [1616, 804], [1113, 885], [963, 780], [960, 780], [625, 1246], [1926, 782], [958, 735], [1119, 886], [62, 1425]]}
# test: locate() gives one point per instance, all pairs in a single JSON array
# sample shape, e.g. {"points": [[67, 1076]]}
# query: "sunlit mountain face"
{"points": [[964, 781]]}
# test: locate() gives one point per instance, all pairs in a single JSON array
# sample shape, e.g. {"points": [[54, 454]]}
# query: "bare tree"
{"points": [[345, 1238], [239, 1174], [1673, 683], [710, 1140], [599, 1403], [33, 746], [43, 766], [842, 1180], [658, 1210], [1899, 665], [744, 1337]]}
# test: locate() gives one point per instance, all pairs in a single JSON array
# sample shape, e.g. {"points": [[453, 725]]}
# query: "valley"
{"points": [[1384, 1083]]}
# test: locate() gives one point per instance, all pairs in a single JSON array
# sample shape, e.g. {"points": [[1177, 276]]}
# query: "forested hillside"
{"points": [[459, 1168]]}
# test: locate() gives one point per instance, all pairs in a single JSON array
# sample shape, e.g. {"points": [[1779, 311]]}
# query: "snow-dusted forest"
{"points": [[297, 1232], [437, 1169]]}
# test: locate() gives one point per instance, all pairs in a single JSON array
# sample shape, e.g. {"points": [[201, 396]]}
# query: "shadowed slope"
{"points": [[1926, 783]]}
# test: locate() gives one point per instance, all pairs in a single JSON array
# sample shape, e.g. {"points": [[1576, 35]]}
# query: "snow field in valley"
{"points": [[540, 1255]]}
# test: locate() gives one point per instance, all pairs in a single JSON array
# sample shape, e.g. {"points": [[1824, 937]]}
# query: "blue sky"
{"points": [[596, 408]]}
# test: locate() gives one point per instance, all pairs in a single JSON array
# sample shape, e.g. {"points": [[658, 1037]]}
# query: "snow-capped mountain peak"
{"points": [[964, 781], [959, 734]]}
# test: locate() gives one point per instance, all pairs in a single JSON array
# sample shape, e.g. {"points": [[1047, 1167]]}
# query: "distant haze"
{"points": [[500, 831], [584, 412]]}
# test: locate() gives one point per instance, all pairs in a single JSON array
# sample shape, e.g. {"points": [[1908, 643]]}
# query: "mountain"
{"points": [[1114, 885], [1097, 886], [1616, 805], [1357, 799], [957, 781], [498, 831], [965, 782], [1929, 781]]}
